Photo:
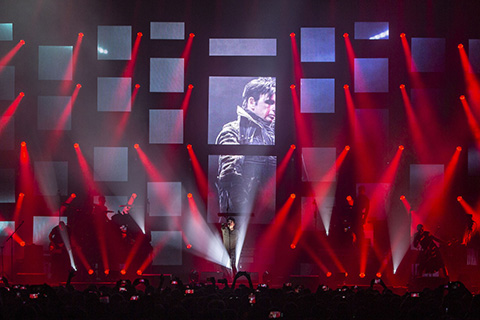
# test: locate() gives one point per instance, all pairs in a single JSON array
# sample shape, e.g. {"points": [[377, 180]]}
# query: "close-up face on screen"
{"points": [[242, 110]]}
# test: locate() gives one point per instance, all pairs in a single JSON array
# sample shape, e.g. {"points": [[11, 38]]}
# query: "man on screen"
{"points": [[239, 176]]}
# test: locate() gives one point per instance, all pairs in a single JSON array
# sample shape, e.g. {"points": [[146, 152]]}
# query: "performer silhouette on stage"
{"points": [[429, 259], [230, 238]]}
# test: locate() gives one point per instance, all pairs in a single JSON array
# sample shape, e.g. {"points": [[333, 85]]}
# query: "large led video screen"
{"points": [[241, 110], [242, 186]]}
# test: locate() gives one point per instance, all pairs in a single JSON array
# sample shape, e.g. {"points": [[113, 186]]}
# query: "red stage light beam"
{"points": [[122, 124], [271, 236], [350, 54], [72, 65], [418, 137], [85, 168], [153, 173], [130, 67], [200, 175], [472, 121], [297, 64], [9, 56], [187, 50], [471, 80], [302, 128]]}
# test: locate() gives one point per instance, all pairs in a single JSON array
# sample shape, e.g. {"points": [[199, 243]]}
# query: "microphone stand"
{"points": [[11, 258]]}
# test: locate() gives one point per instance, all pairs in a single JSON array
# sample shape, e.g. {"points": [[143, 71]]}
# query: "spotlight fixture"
{"points": [[22, 244], [21, 94], [189, 146], [123, 272], [328, 274], [379, 274], [462, 97], [293, 246], [459, 148], [189, 246], [347, 148], [81, 35], [90, 271], [22, 42], [189, 195], [190, 86], [73, 196], [76, 145], [292, 35], [21, 195], [136, 146], [460, 46], [139, 34], [78, 85], [401, 147], [345, 86], [402, 197], [292, 86], [293, 196], [23, 144], [362, 275], [293, 147], [137, 86], [191, 35], [139, 272], [402, 86], [402, 35], [107, 271], [345, 35], [459, 198]]}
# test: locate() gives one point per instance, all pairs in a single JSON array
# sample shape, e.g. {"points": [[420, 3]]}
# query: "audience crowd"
{"points": [[212, 300]]}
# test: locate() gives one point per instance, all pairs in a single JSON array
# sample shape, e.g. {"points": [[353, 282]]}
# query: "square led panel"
{"points": [[166, 126], [170, 243], [54, 62], [428, 55], [167, 30], [317, 213], [7, 82], [42, 226], [6, 229], [474, 54], [165, 198], [54, 113], [242, 185], [114, 43], [225, 97], [473, 162], [110, 163], [114, 94], [6, 31], [243, 47], [317, 95], [371, 30], [52, 177], [167, 75], [371, 74], [317, 44], [7, 186], [7, 135], [424, 178], [318, 164]]}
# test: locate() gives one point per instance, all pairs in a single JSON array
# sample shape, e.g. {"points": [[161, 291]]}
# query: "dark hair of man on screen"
{"points": [[257, 87]]}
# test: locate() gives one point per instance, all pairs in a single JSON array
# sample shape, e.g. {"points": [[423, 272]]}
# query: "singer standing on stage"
{"points": [[230, 237]]}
